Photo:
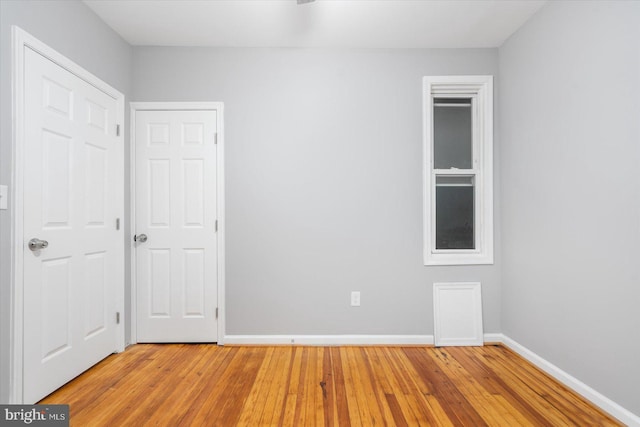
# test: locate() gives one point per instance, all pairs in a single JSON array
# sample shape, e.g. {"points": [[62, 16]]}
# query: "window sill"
{"points": [[458, 259]]}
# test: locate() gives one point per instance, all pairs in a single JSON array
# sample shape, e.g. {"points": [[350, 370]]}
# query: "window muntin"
{"points": [[458, 170]]}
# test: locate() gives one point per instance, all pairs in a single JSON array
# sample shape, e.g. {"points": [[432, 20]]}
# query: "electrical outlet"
{"points": [[4, 193], [355, 298]]}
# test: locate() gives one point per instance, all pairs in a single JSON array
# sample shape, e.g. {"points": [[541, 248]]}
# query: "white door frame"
{"points": [[21, 41], [218, 107]]}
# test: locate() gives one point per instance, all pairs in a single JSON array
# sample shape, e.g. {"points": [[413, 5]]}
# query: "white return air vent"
{"points": [[457, 314]]}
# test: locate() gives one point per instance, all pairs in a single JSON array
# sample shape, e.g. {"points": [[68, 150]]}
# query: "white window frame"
{"points": [[480, 90]]}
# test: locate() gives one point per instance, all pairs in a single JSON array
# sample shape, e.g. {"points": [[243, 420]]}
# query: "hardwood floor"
{"points": [[207, 385]]}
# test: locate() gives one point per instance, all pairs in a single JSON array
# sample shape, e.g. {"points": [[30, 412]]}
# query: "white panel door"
{"points": [[175, 226], [69, 202]]}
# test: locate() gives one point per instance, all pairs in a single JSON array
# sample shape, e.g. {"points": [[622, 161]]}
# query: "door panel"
{"points": [[194, 280], [176, 270], [69, 201]]}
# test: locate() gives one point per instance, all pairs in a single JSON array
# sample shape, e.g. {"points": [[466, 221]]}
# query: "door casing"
{"points": [[181, 106], [22, 40]]}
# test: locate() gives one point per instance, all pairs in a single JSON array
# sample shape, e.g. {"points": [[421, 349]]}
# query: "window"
{"points": [[458, 170]]}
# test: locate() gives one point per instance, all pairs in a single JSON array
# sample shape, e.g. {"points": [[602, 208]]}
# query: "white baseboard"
{"points": [[493, 338], [573, 383], [328, 339]]}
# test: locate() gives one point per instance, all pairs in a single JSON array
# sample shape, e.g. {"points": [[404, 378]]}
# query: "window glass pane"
{"points": [[455, 212], [452, 133]]}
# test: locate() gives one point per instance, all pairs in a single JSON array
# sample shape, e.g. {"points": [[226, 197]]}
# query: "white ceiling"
{"points": [[323, 23]]}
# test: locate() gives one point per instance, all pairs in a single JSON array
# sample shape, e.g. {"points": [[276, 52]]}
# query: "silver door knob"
{"points": [[37, 244], [140, 238]]}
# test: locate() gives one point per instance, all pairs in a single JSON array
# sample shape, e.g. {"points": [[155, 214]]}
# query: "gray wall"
{"points": [[323, 182], [75, 31], [570, 132]]}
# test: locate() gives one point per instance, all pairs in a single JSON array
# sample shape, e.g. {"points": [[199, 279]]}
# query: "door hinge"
{"points": [[117, 130], [216, 312], [117, 318], [117, 223], [215, 138], [216, 225]]}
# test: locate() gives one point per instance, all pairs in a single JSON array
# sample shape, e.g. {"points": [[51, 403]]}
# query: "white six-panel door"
{"points": [[175, 226], [71, 202]]}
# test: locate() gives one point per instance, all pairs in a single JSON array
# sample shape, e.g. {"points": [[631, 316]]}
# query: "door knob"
{"points": [[37, 244], [140, 238]]}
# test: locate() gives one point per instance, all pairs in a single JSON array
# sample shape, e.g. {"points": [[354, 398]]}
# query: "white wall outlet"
{"points": [[4, 195], [355, 298]]}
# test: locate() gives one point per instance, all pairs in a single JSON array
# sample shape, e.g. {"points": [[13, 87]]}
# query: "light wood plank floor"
{"points": [[207, 385]]}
